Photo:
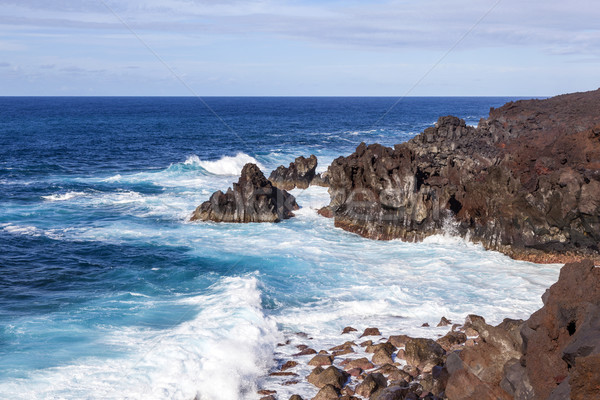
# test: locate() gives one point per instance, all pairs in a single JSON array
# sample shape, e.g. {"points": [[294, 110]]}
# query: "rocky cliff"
{"points": [[299, 174], [252, 199], [525, 181]]}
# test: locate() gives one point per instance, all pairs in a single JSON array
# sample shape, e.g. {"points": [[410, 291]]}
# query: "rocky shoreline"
{"points": [[524, 182], [555, 354]]}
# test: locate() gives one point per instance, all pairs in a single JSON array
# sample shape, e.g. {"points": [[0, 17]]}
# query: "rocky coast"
{"points": [[554, 355]]}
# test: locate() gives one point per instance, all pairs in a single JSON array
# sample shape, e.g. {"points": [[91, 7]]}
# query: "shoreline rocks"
{"points": [[554, 355], [525, 182], [252, 199]]}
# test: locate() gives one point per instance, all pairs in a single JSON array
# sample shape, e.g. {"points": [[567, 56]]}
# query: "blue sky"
{"points": [[299, 48]]}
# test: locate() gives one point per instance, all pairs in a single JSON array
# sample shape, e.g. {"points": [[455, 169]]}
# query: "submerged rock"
{"points": [[252, 199]]}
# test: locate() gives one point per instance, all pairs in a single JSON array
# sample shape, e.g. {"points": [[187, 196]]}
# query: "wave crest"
{"points": [[226, 165]]}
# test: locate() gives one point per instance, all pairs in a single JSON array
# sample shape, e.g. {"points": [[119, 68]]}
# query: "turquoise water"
{"points": [[108, 291]]}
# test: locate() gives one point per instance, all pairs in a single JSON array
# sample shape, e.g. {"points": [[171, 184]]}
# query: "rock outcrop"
{"points": [[300, 174], [252, 199], [525, 182], [554, 355]]}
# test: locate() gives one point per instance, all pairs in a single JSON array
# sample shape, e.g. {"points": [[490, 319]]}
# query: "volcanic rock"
{"points": [[330, 376], [371, 384], [525, 182], [299, 174], [424, 354], [252, 199]]}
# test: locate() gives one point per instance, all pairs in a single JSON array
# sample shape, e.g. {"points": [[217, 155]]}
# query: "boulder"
{"points": [[252, 199], [330, 376], [327, 392], [424, 354], [452, 339], [372, 383], [371, 332], [299, 174], [321, 359]]}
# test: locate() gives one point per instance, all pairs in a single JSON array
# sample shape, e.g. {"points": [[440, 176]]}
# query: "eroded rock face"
{"points": [[526, 181], [252, 199], [300, 174]]}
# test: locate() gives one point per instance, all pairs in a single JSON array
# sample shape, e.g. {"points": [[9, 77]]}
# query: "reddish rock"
{"points": [[342, 352], [451, 339], [424, 354], [266, 392], [327, 392], [289, 383], [354, 372], [330, 376], [585, 379], [382, 357], [371, 332], [362, 363], [321, 359], [343, 346], [387, 347], [399, 340], [462, 385], [279, 373], [444, 322], [366, 343], [270, 397], [305, 352], [296, 397], [348, 329]]}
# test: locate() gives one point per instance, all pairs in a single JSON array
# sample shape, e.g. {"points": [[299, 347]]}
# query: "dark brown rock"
{"points": [[288, 365], [387, 347], [371, 332], [252, 199], [327, 392], [452, 339], [444, 322], [299, 174], [296, 397], [382, 357], [362, 363], [371, 384], [525, 182], [392, 393], [399, 340], [348, 329], [321, 359], [330, 376], [270, 397], [266, 392], [306, 352], [585, 379]]}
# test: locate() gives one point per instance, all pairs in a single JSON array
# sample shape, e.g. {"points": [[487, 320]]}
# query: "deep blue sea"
{"points": [[107, 291]]}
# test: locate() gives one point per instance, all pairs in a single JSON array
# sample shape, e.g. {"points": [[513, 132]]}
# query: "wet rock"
{"points": [[424, 354], [299, 174], [306, 352], [346, 345], [348, 329], [288, 365], [444, 322], [280, 373], [321, 359], [524, 182], [371, 384], [387, 347], [366, 343], [330, 376], [371, 332], [354, 372], [270, 397], [392, 393], [266, 392], [585, 379], [296, 397], [451, 339], [327, 392], [252, 199]]}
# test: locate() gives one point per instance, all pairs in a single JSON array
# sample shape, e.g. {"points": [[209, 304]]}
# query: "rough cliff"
{"points": [[525, 181]]}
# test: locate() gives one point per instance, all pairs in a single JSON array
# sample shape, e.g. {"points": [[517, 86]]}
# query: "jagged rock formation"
{"points": [[555, 354], [252, 199], [300, 174], [525, 182]]}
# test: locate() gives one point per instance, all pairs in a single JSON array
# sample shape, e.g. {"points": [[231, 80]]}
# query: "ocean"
{"points": [[107, 291]]}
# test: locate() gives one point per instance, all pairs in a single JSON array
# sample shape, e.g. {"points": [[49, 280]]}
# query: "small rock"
{"points": [[451, 339], [327, 392], [284, 344], [391, 393], [348, 329], [401, 354], [388, 347], [366, 343], [444, 322], [470, 343], [268, 398], [355, 371], [266, 392], [470, 332], [425, 325], [289, 383], [288, 365], [322, 352], [371, 332], [362, 363], [296, 397], [424, 354], [343, 346], [371, 384], [330, 376], [301, 347], [399, 340], [305, 352], [342, 352], [321, 359], [283, 374], [381, 357]]}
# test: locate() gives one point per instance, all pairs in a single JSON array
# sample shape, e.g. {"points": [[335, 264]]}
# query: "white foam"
{"points": [[217, 355], [225, 165], [63, 196]]}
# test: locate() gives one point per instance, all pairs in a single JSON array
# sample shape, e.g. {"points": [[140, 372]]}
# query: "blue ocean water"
{"points": [[108, 291]]}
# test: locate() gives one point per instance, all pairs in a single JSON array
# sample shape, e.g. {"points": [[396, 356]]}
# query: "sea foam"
{"points": [[226, 165]]}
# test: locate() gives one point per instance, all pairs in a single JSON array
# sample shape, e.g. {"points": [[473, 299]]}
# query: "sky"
{"points": [[298, 47]]}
